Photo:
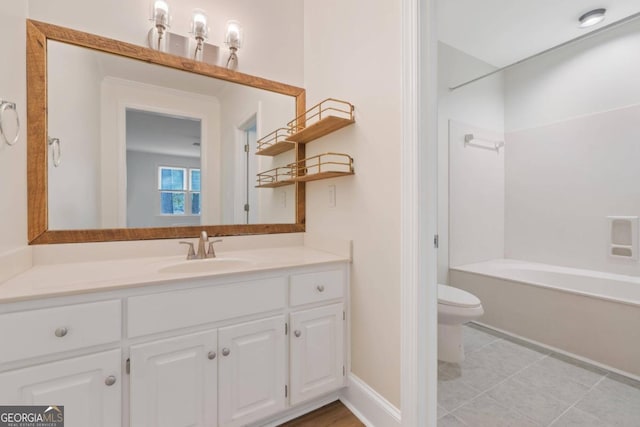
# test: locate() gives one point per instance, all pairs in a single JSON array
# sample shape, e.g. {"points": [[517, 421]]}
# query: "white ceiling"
{"points": [[162, 134], [501, 32]]}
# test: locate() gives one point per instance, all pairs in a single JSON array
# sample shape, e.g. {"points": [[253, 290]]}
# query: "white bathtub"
{"points": [[590, 314]]}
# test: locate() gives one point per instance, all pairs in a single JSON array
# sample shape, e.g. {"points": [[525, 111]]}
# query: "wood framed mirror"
{"points": [[41, 38]]}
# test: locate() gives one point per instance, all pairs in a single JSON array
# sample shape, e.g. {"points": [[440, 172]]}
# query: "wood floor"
{"points": [[334, 414]]}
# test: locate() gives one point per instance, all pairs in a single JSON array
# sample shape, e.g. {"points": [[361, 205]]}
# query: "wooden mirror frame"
{"points": [[37, 149]]}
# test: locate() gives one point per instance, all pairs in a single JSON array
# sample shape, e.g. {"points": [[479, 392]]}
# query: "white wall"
{"points": [[13, 163], [563, 180], [598, 74], [479, 105], [571, 160], [476, 196], [272, 28], [352, 53], [143, 197], [73, 79]]}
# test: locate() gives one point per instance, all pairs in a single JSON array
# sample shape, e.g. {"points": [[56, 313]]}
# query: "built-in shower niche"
{"points": [[623, 237]]}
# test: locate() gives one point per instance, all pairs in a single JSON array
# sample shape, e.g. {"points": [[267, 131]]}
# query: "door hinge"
{"points": [[286, 328], [344, 371], [436, 241], [344, 315], [246, 148], [128, 366], [246, 207], [286, 391]]}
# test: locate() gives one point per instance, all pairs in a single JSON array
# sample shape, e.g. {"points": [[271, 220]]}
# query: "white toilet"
{"points": [[455, 308]]}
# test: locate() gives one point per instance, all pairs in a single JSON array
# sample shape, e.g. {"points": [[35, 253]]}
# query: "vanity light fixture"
{"points": [[200, 32], [592, 18], [233, 39], [161, 22]]}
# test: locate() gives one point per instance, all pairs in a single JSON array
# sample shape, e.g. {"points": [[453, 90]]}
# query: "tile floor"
{"points": [[507, 383]]}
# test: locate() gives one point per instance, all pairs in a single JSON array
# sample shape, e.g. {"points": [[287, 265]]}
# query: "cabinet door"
{"points": [[173, 382], [317, 352], [252, 371], [88, 387]]}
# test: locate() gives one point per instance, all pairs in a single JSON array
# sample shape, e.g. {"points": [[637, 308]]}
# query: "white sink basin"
{"points": [[210, 265]]}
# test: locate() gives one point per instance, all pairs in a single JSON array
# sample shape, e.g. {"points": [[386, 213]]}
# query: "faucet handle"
{"points": [[192, 253], [211, 253]]}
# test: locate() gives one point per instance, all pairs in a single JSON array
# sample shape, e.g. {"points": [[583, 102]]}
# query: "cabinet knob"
{"points": [[297, 333], [110, 380], [320, 288], [60, 332], [211, 355], [226, 351]]}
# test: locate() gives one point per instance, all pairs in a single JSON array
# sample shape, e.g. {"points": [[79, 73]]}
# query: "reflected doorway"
{"points": [[248, 142], [163, 169]]}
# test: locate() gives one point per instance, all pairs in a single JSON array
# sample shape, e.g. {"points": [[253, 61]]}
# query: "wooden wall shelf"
{"points": [[320, 128], [322, 119], [277, 177], [322, 166], [275, 143], [321, 175], [326, 117]]}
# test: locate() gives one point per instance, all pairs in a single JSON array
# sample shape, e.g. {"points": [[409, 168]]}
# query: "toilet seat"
{"points": [[448, 295]]}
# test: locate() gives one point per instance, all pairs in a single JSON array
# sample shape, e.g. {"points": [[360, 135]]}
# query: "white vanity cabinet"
{"points": [[317, 352], [174, 381], [225, 351], [89, 388], [251, 369]]}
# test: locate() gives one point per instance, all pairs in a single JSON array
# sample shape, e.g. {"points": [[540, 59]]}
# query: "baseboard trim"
{"points": [[562, 352], [298, 411], [15, 262], [369, 406]]}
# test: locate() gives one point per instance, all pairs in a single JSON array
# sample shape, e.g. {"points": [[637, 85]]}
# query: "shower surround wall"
{"points": [[572, 157], [478, 108]]}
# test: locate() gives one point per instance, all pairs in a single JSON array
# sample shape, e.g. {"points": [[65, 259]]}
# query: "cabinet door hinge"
{"points": [[344, 371], [246, 207], [286, 328], [246, 148], [128, 366], [344, 315], [286, 391], [436, 241]]}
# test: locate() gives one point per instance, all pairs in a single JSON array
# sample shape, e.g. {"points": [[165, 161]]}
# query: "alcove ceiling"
{"points": [[501, 32]]}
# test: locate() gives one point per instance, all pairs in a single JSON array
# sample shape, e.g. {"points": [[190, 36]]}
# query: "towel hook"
{"points": [[4, 106], [56, 153]]}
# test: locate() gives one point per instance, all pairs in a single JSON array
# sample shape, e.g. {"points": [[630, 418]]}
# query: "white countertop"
{"points": [[55, 280]]}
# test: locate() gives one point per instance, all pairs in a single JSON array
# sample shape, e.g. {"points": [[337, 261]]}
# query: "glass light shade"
{"points": [[233, 38], [160, 13], [199, 26]]}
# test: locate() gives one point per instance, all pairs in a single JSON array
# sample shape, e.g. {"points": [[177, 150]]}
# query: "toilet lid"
{"points": [[448, 295]]}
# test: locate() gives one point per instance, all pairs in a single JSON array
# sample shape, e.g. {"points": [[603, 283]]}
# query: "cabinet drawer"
{"points": [[315, 287], [40, 332], [155, 313]]}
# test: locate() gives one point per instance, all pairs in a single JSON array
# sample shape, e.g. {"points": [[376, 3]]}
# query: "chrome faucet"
{"points": [[202, 249]]}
